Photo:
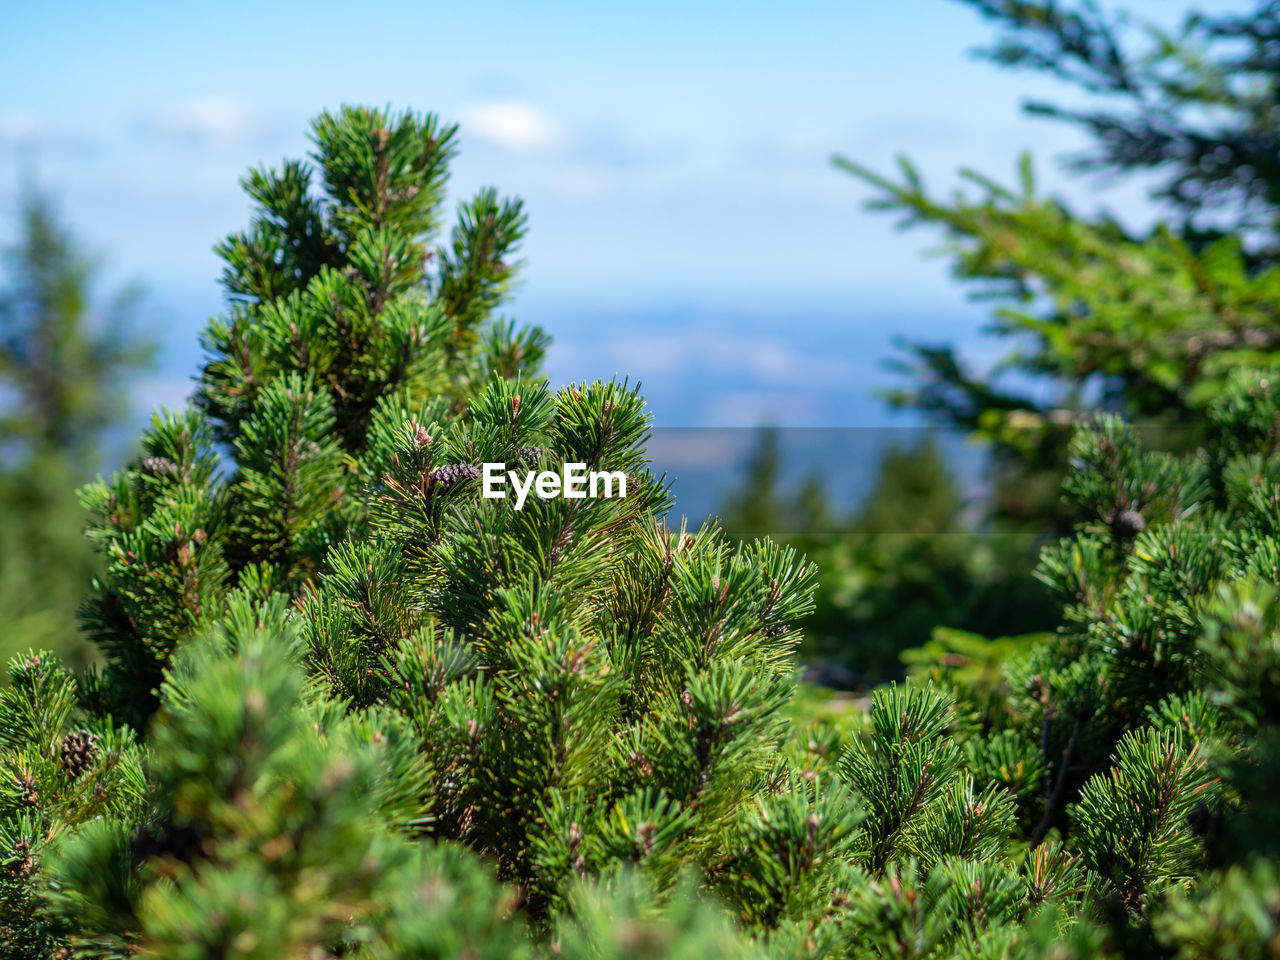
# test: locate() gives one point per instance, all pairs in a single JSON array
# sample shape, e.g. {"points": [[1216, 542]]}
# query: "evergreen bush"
{"points": [[354, 709]]}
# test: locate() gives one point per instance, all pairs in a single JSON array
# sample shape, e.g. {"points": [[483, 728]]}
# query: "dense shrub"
{"points": [[354, 709]]}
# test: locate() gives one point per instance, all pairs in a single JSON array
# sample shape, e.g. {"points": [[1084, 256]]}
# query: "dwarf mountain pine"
{"points": [[353, 708]]}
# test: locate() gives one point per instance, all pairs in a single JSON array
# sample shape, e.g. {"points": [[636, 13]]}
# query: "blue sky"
{"points": [[686, 224]]}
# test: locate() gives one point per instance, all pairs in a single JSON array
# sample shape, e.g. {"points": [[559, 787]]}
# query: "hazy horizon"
{"points": [[686, 225]]}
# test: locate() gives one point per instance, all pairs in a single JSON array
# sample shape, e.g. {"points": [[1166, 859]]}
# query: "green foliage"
{"points": [[65, 360], [354, 708], [45, 562], [65, 363], [972, 666], [340, 318], [1145, 319], [1166, 570], [61, 767], [905, 561], [1232, 915], [273, 831], [1088, 780], [600, 689], [1148, 323], [624, 919], [1194, 106], [1132, 824], [347, 661]]}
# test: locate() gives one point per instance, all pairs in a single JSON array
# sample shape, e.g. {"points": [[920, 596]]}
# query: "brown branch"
{"points": [[1055, 798]]}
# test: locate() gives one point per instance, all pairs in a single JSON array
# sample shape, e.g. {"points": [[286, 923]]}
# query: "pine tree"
{"points": [[586, 691], [601, 689], [66, 357], [341, 308], [277, 825], [905, 561], [1150, 322], [392, 717], [62, 765]]}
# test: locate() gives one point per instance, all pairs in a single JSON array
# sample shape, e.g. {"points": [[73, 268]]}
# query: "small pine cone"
{"points": [[23, 862], [1128, 524], [27, 787], [642, 765], [78, 752], [451, 473], [529, 456], [644, 834], [160, 467]]}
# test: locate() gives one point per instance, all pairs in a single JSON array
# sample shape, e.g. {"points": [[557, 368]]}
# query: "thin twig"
{"points": [[1055, 798]]}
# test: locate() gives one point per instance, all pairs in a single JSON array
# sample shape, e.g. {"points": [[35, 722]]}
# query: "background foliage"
{"points": [[66, 362]]}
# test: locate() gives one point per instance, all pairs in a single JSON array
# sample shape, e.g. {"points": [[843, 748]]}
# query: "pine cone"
{"points": [[641, 764], [451, 473], [23, 862], [644, 834], [160, 467], [1128, 524], [529, 456], [78, 752], [27, 786]]}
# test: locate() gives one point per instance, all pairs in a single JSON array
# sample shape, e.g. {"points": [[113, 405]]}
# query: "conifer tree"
{"points": [[600, 688], [277, 826], [62, 764], [587, 691], [1148, 322], [66, 357], [905, 561], [343, 304], [408, 720]]}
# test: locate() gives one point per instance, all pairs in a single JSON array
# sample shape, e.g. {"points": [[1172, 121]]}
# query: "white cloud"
{"points": [[511, 125], [803, 148], [206, 120]]}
